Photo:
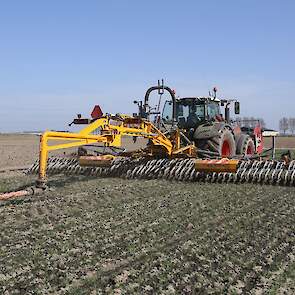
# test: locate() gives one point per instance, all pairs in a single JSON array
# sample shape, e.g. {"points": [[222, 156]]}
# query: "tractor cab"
{"points": [[186, 113], [192, 111]]}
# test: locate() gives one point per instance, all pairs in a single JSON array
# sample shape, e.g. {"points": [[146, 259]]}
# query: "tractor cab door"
{"points": [[182, 113], [190, 113]]}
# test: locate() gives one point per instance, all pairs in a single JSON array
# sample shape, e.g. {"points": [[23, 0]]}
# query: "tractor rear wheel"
{"points": [[223, 144], [245, 145]]}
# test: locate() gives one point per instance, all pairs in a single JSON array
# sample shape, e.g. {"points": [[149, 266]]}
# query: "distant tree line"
{"points": [[250, 122], [287, 125]]}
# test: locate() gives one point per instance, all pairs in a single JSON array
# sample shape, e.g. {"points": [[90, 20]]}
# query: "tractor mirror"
{"points": [[237, 108]]}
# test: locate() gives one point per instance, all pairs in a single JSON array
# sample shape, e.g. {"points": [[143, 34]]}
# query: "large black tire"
{"points": [[224, 144], [245, 145]]}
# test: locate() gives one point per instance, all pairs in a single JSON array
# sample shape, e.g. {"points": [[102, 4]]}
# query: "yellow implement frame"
{"points": [[110, 131]]}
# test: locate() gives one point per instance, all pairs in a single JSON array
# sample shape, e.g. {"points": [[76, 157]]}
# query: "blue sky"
{"points": [[59, 58]]}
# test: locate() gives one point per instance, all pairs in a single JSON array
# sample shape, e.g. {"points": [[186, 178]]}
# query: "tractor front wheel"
{"points": [[224, 144]]}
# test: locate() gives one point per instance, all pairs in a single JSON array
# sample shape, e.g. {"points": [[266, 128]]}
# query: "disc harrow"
{"points": [[180, 169]]}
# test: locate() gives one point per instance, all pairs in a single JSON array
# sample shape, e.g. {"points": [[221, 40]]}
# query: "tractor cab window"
{"points": [[213, 110], [167, 112], [189, 113], [200, 111]]}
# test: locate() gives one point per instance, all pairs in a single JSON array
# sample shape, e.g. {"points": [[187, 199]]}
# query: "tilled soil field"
{"points": [[116, 236]]}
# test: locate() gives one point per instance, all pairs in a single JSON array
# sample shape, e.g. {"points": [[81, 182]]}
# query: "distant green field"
{"points": [[279, 153]]}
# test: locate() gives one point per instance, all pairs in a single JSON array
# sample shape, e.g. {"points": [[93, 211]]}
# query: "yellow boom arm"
{"points": [[110, 131]]}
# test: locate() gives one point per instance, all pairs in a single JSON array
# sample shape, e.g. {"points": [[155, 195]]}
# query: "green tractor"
{"points": [[202, 121]]}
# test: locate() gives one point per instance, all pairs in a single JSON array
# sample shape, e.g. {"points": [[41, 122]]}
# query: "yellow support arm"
{"points": [[109, 134]]}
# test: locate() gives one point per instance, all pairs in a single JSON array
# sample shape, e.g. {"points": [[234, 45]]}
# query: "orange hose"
{"points": [[12, 195]]}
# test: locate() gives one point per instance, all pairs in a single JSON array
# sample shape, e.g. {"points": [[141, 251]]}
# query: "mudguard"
{"points": [[258, 139], [208, 130]]}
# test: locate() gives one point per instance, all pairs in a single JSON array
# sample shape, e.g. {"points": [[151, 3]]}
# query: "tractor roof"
{"points": [[200, 98]]}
